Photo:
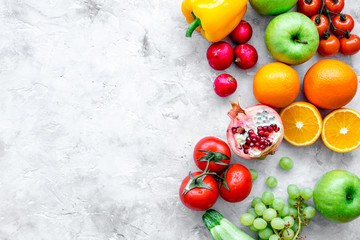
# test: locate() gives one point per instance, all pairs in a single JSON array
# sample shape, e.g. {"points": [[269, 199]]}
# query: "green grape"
{"points": [[285, 211], [277, 223], [274, 237], [289, 221], [253, 229], [247, 219], [260, 208], [293, 191], [269, 214], [303, 205], [295, 227], [255, 201], [293, 212], [267, 197], [278, 203], [292, 202], [254, 174], [309, 212], [288, 234], [286, 163], [271, 182], [306, 193], [266, 233], [260, 223], [252, 211]]}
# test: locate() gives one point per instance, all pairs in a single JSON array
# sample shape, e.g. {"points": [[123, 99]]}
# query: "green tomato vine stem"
{"points": [[327, 33]]}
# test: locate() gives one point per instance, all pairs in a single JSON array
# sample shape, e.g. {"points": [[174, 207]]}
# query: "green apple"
{"points": [[272, 7], [337, 196], [292, 38]]}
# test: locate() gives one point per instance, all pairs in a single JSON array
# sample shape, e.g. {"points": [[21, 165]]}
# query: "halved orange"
{"points": [[302, 123], [341, 130]]}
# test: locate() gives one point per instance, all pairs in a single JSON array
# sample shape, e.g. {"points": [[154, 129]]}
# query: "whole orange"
{"points": [[330, 84], [276, 84]]}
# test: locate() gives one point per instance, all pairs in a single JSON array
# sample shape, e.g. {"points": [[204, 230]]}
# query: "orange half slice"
{"points": [[302, 123], [341, 130]]}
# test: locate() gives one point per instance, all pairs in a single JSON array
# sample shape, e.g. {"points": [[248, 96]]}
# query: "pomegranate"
{"points": [[254, 132], [225, 85], [220, 55], [242, 33], [245, 56]]}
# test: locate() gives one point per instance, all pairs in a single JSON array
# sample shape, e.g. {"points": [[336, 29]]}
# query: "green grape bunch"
{"points": [[273, 219]]}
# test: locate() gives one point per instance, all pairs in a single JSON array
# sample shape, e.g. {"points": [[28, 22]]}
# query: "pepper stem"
{"points": [[196, 23]]}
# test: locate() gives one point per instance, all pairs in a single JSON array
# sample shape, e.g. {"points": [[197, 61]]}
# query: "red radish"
{"points": [[225, 85], [242, 33], [245, 56], [261, 131], [220, 55]]}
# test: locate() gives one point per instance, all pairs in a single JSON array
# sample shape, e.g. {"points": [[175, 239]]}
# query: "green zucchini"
{"points": [[222, 229]]}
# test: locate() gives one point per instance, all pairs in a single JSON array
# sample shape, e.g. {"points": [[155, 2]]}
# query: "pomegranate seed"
{"points": [[277, 129], [246, 146], [253, 135], [259, 128], [240, 130], [257, 144], [248, 140], [266, 134], [261, 132], [234, 129], [251, 144], [271, 130], [246, 151], [254, 140], [251, 131], [273, 126], [269, 142], [266, 143], [262, 142], [262, 147]]}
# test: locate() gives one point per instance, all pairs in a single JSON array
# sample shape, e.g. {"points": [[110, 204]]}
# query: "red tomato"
{"points": [[335, 6], [308, 7], [217, 152], [351, 45], [343, 22], [239, 181], [199, 198], [321, 24], [329, 47]]}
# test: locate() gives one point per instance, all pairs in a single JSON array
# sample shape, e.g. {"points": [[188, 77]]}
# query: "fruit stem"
{"points": [[196, 23], [329, 17], [299, 41], [299, 219], [350, 198]]}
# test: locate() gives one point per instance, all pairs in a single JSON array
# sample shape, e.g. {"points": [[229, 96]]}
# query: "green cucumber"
{"points": [[222, 229]]}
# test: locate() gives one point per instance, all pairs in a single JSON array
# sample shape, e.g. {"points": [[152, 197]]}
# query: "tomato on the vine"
{"points": [[329, 46], [237, 179], [199, 194], [212, 150], [343, 22], [321, 23], [309, 7], [335, 6], [350, 45]]}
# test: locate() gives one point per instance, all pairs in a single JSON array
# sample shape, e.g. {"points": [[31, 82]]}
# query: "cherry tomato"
{"points": [[351, 45], [239, 181], [329, 47], [335, 6], [199, 198], [217, 152], [343, 22], [308, 7], [321, 24]]}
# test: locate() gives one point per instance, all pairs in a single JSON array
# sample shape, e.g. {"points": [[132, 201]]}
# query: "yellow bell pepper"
{"points": [[215, 19]]}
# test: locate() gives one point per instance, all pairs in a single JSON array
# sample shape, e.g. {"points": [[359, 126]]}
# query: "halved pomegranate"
{"points": [[254, 132]]}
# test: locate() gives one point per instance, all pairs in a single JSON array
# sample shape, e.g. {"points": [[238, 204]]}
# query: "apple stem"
{"points": [[350, 198], [299, 41]]}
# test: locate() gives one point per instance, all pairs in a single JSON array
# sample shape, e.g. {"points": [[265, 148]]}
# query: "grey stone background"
{"points": [[101, 104]]}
